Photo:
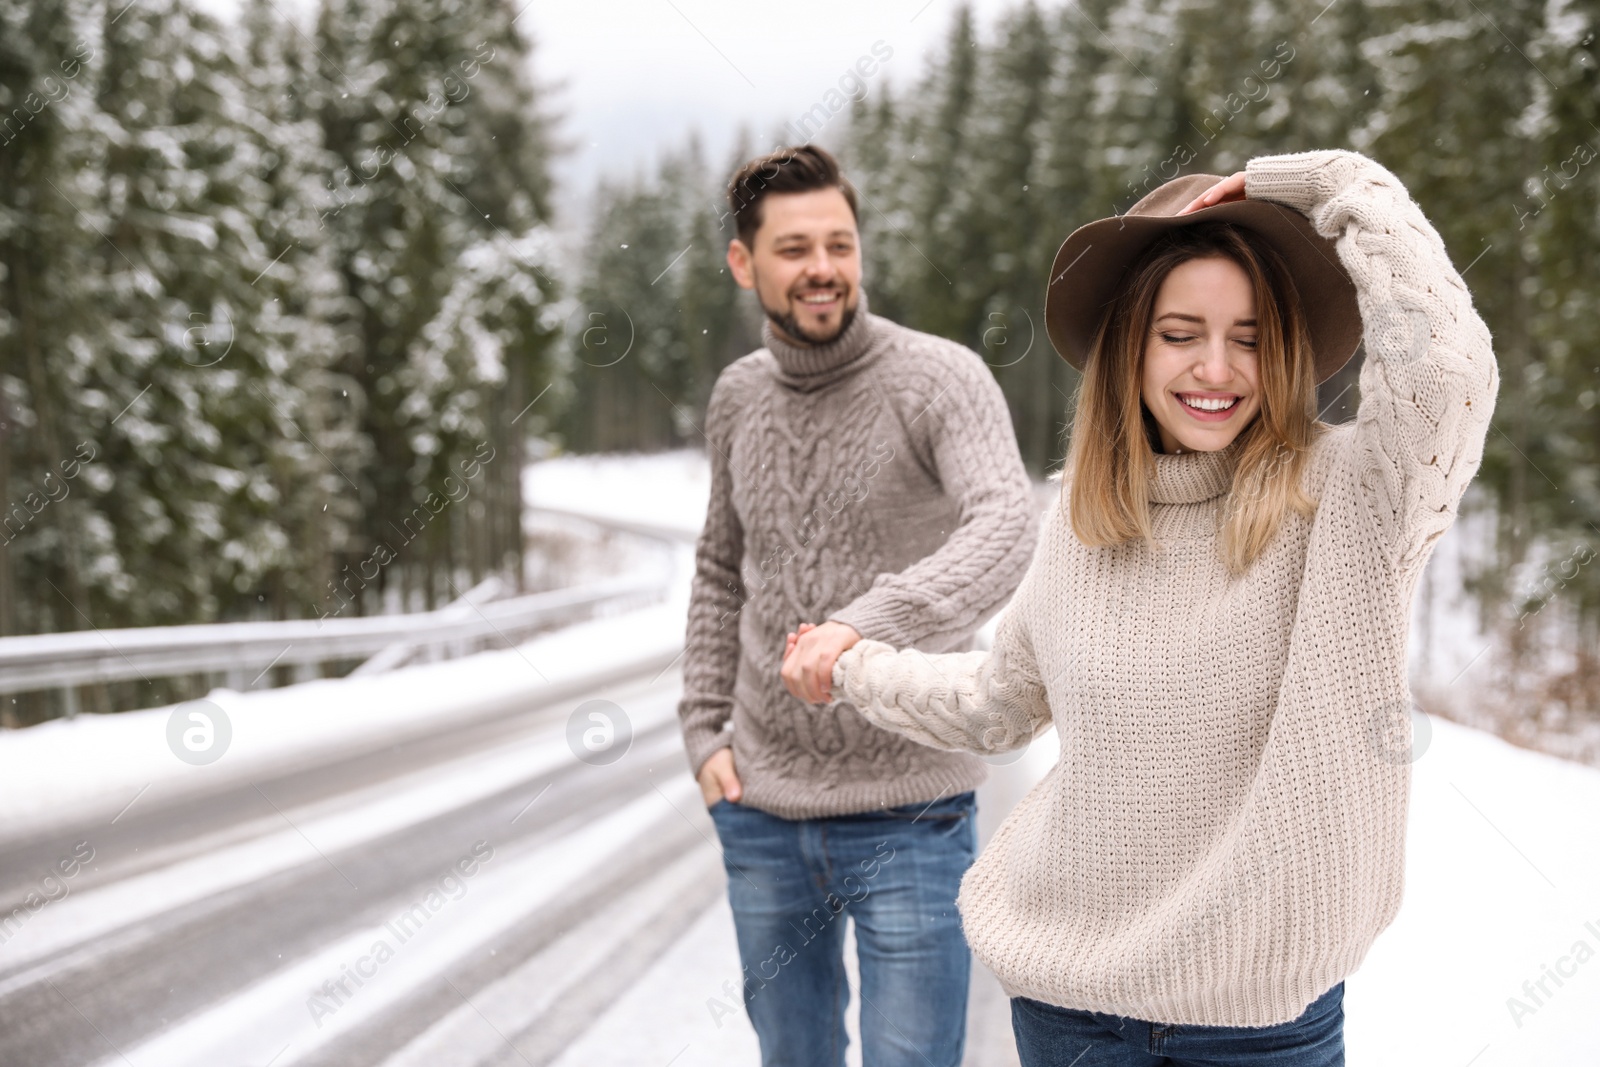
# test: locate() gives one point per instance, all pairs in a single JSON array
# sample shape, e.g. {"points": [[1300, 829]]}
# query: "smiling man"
{"points": [[866, 476]]}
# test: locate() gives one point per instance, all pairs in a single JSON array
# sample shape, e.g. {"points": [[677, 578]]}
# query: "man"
{"points": [[866, 475]]}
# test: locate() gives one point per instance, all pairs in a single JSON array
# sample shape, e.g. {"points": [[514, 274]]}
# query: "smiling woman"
{"points": [[1221, 838], [1204, 347]]}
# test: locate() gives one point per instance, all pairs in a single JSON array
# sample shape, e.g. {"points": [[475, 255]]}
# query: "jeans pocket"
{"points": [[945, 809]]}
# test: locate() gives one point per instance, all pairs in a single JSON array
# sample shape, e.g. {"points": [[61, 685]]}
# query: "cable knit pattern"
{"points": [[875, 481], [1224, 833]]}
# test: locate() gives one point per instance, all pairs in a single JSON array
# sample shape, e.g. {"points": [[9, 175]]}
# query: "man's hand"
{"points": [[808, 657], [717, 778]]}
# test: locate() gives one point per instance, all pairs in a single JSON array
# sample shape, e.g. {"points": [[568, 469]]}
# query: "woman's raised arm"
{"points": [[1429, 381]]}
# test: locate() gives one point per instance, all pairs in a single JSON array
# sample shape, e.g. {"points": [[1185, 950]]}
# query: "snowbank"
{"points": [[70, 770]]}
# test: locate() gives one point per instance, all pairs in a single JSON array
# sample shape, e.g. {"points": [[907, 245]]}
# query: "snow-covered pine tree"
{"points": [[163, 395], [317, 445], [923, 247], [47, 98], [1560, 210], [720, 321], [627, 324], [999, 286], [437, 205], [204, 373]]}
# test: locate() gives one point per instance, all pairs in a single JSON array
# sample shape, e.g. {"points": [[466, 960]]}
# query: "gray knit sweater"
{"points": [[1224, 833], [874, 481]]}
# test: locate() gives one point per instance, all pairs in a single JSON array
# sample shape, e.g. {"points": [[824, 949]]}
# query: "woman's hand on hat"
{"points": [[1226, 191]]}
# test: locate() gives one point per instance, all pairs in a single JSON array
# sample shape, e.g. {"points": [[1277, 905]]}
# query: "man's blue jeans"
{"points": [[1048, 1035], [896, 873]]}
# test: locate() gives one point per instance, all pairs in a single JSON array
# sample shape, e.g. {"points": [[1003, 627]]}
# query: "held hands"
{"points": [[1226, 191], [808, 658]]}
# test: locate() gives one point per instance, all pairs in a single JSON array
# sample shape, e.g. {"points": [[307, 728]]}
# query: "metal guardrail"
{"points": [[83, 657], [659, 531]]}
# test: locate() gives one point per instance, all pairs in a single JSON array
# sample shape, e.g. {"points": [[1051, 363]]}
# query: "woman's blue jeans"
{"points": [[1048, 1035], [896, 872]]}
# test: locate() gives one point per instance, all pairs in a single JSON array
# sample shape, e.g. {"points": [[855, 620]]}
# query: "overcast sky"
{"points": [[637, 74], [631, 76]]}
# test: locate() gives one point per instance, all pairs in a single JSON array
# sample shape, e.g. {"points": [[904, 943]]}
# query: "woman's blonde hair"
{"points": [[1111, 458]]}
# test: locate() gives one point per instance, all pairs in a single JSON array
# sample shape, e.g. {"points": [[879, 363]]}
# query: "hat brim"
{"points": [[1092, 263]]}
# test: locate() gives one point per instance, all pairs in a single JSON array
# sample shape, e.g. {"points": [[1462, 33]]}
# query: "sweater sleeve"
{"points": [[716, 595], [1429, 381], [952, 590], [978, 701]]}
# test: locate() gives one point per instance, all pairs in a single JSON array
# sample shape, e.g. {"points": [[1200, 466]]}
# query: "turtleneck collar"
{"points": [[1192, 477], [808, 366]]}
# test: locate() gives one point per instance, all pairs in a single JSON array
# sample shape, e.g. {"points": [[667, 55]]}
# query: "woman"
{"points": [[1215, 620]]}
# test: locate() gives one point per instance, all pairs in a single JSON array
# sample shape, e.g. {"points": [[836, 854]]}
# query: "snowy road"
{"points": [[477, 896], [253, 918]]}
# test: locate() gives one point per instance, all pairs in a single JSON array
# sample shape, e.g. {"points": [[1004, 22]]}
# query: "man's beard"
{"points": [[786, 321]]}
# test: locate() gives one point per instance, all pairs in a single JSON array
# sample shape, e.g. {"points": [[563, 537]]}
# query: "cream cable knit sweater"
{"points": [[1224, 833]]}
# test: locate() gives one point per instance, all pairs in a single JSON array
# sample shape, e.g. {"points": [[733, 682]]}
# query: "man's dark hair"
{"points": [[800, 169]]}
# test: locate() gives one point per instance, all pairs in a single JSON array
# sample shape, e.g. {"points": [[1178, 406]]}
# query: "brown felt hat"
{"points": [[1093, 261]]}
